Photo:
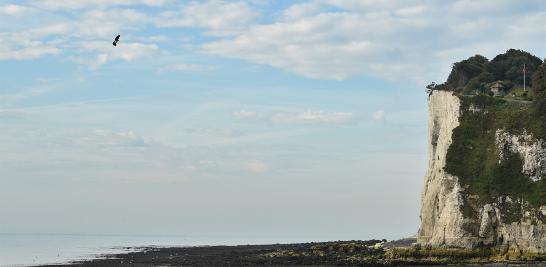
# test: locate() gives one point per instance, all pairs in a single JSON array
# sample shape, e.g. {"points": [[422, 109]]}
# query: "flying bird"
{"points": [[116, 40]]}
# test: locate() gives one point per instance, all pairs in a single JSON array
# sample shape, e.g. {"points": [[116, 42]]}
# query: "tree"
{"points": [[475, 72], [539, 83], [465, 70], [508, 66]]}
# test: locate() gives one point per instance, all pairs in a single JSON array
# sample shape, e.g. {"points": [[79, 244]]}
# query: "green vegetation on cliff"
{"points": [[474, 156], [477, 73]]}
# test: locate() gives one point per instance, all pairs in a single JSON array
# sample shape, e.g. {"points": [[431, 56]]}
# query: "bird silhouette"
{"points": [[116, 40]]}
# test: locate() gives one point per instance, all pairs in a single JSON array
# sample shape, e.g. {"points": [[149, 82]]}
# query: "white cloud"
{"points": [[82, 4], [412, 11], [124, 51], [255, 166], [157, 38], [78, 36], [219, 17], [311, 116], [213, 132], [471, 7], [31, 52], [326, 46], [12, 9], [25, 94], [308, 116], [29, 43], [360, 5], [300, 10], [399, 40], [98, 23], [97, 154], [187, 67], [104, 137], [378, 115], [243, 114], [414, 40], [47, 30]]}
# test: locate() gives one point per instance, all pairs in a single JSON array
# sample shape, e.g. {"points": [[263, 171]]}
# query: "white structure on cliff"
{"points": [[498, 89]]}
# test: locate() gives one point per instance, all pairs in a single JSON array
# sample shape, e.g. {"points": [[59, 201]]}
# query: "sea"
{"points": [[38, 249]]}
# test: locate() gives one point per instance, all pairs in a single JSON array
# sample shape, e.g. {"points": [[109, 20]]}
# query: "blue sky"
{"points": [[301, 119]]}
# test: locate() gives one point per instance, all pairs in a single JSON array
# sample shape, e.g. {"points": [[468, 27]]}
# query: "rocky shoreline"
{"points": [[339, 253], [335, 253]]}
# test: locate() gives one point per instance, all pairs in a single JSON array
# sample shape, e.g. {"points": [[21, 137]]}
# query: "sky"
{"points": [[265, 119]]}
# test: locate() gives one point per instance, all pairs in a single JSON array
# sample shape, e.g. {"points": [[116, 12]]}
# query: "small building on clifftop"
{"points": [[498, 89]]}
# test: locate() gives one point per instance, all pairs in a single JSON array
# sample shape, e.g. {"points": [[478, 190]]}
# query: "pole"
{"points": [[524, 71]]}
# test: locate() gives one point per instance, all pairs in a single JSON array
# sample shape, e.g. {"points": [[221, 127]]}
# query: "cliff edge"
{"points": [[485, 183], [441, 219]]}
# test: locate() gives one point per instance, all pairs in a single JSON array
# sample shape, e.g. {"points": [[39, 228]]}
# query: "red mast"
{"points": [[524, 70]]}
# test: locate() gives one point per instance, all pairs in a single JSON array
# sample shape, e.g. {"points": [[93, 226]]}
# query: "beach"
{"points": [[336, 253]]}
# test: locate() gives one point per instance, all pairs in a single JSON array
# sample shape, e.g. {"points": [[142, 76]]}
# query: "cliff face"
{"points": [[453, 214], [441, 218]]}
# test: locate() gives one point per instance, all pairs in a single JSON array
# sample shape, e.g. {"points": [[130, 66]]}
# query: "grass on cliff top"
{"points": [[474, 157]]}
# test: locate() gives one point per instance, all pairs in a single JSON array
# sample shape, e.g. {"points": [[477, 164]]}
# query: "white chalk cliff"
{"points": [[442, 219]]}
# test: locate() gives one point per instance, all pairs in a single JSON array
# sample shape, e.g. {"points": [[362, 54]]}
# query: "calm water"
{"points": [[33, 249], [18, 250]]}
